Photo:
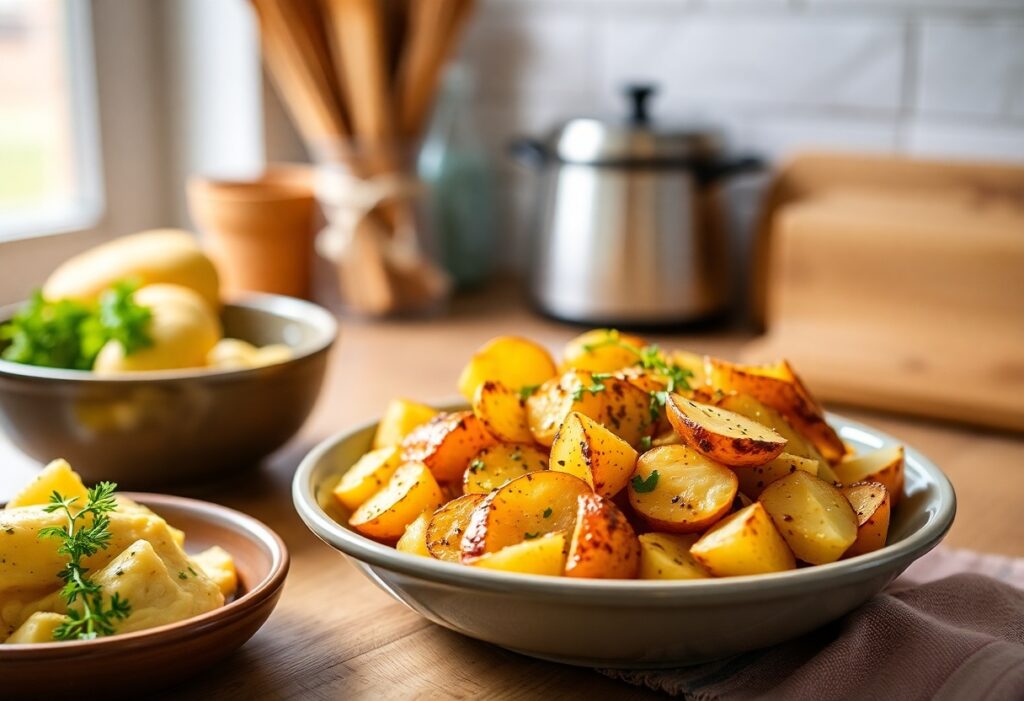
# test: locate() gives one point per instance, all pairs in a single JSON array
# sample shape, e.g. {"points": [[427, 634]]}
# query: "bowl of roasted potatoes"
{"points": [[624, 506]]}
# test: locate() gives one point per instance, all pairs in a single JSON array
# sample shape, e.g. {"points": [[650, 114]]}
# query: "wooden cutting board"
{"points": [[901, 293]]}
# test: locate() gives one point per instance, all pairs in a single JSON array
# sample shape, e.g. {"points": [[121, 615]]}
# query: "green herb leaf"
{"points": [[642, 486], [547, 512], [526, 390], [594, 388], [476, 464], [645, 443]]}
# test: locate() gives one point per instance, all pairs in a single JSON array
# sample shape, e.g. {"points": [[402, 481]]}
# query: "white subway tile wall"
{"points": [[936, 78]]}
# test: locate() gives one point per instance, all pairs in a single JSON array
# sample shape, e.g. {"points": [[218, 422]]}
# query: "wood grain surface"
{"points": [[336, 636]]}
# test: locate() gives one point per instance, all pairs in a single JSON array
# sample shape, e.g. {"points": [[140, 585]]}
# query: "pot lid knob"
{"points": [[639, 94]]}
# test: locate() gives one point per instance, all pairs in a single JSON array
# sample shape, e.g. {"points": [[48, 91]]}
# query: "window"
{"points": [[50, 178]]}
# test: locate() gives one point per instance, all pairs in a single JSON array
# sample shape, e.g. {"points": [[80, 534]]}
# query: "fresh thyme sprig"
{"points": [[81, 538]]}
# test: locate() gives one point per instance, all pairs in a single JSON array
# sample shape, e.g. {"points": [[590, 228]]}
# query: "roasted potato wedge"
{"points": [[725, 437], [871, 503], [503, 412], [410, 491], [497, 464], [813, 516], [514, 362], [627, 410], [676, 489], [694, 364], [603, 544], [367, 476], [523, 509], [796, 444], [745, 542], [547, 408], [884, 465], [667, 556], [414, 540], [753, 480], [447, 526], [447, 443], [778, 387], [400, 417], [601, 350], [586, 449], [542, 555]]}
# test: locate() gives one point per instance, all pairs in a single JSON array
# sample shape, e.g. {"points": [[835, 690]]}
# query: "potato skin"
{"points": [[513, 361], [447, 525], [554, 400], [743, 543], [601, 350], [603, 544], [588, 450], [873, 505], [722, 435], [691, 492], [885, 465], [502, 411], [814, 517], [410, 491], [447, 443]]}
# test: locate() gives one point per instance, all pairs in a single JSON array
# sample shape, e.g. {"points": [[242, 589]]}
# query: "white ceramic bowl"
{"points": [[629, 623]]}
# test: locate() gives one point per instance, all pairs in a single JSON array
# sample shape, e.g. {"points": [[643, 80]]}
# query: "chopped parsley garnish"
{"points": [[475, 465], [645, 443], [547, 512], [594, 388], [526, 390], [642, 486]]}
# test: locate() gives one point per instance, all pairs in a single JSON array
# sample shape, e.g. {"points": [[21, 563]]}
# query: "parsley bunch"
{"points": [[79, 540]]}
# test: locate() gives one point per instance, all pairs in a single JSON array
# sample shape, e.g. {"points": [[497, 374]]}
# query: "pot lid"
{"points": [[635, 140]]}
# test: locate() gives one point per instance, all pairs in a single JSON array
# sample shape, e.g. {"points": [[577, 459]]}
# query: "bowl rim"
{"points": [[267, 588], [279, 305], [376, 554]]}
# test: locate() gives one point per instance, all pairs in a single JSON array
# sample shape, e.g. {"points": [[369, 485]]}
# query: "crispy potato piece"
{"points": [[676, 489], [447, 443], [497, 464], [523, 509], [514, 362], [410, 491], [367, 476], [779, 387], [748, 406], [503, 412], [542, 555], [627, 410], [667, 556], [722, 435], [753, 480], [742, 543], [414, 540], [588, 450], [814, 517], [547, 408], [695, 364], [871, 503], [601, 350], [603, 544], [643, 379], [884, 465], [400, 417], [448, 524]]}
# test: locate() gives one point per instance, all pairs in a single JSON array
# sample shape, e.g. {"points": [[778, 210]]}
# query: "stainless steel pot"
{"points": [[630, 228]]}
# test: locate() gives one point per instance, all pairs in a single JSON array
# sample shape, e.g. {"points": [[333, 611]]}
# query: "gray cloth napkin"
{"points": [[950, 628]]}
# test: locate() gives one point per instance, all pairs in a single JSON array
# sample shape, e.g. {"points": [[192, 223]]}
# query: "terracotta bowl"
{"points": [[629, 623], [152, 430], [151, 659]]}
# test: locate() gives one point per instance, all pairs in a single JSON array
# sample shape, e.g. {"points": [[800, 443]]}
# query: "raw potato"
{"points": [[414, 540], [884, 465], [814, 517], [547, 408], [410, 491], [667, 556], [588, 450], [603, 544], [446, 444], [447, 526], [690, 491], [523, 509], [503, 412], [722, 435], [601, 350], [544, 555], [743, 543], [55, 477], [367, 476], [753, 480], [514, 362], [400, 418], [778, 387], [158, 256], [871, 503], [498, 464]]}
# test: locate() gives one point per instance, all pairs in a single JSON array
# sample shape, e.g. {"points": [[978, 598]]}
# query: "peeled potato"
{"points": [[542, 555], [667, 556], [158, 256], [884, 465], [368, 475], [410, 491], [447, 526], [502, 411], [813, 516], [753, 480], [676, 489], [588, 450], [603, 544], [602, 350], [871, 503], [55, 477], [400, 417], [497, 464], [743, 543], [414, 539], [232, 354], [447, 443], [514, 362], [721, 435]]}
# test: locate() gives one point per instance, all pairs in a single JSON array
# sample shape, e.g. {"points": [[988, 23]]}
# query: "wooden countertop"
{"points": [[335, 635]]}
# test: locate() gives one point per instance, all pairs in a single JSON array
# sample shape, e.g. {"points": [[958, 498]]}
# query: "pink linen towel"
{"points": [[950, 628]]}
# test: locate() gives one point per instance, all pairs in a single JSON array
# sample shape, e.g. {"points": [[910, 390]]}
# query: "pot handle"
{"points": [[529, 152], [730, 166]]}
